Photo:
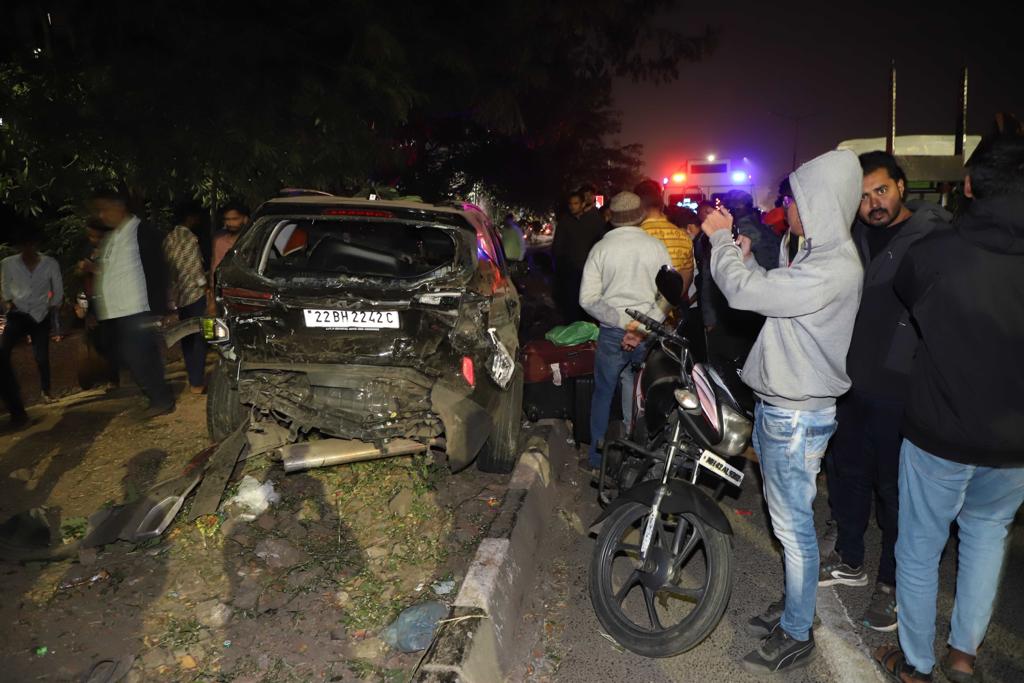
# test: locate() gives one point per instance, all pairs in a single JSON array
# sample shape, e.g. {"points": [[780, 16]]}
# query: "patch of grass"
{"points": [[180, 633]]}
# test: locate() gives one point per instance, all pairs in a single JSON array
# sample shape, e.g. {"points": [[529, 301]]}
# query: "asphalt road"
{"points": [[561, 639]]}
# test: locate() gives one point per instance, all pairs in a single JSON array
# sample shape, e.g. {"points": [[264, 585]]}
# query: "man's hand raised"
{"points": [[719, 219]]}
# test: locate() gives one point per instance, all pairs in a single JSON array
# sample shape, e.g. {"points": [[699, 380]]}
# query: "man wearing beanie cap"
{"points": [[797, 369], [619, 274]]}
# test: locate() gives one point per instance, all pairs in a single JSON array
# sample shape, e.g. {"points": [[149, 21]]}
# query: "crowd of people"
{"points": [[132, 275], [880, 336]]}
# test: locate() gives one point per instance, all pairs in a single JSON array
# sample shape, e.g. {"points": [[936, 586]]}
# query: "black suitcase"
{"points": [[570, 401]]}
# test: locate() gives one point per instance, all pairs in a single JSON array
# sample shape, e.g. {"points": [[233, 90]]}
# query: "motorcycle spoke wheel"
{"points": [[652, 609], [627, 586]]}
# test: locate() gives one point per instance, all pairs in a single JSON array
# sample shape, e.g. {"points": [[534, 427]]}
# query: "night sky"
{"points": [[830, 64]]}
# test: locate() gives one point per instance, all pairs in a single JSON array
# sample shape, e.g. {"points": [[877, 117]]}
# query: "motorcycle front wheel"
{"points": [[671, 602]]}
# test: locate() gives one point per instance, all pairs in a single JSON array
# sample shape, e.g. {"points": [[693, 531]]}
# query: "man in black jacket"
{"points": [[962, 457], [576, 234], [131, 295], [865, 457]]}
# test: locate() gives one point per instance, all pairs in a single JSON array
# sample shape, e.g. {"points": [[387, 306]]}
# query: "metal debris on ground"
{"points": [[67, 584], [443, 587]]}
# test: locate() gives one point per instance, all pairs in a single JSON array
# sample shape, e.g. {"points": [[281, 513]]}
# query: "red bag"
{"points": [[546, 362]]}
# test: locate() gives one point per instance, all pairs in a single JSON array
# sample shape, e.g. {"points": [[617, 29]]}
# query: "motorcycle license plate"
{"points": [[350, 320], [720, 467]]}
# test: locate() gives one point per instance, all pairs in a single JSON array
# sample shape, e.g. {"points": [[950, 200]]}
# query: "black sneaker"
{"points": [[778, 652], [881, 612], [833, 570], [763, 624]]}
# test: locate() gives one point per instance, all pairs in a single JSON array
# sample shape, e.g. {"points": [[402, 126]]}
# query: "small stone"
{"points": [[213, 614], [21, 474], [342, 598], [401, 503], [266, 521], [271, 600], [338, 633], [279, 553], [188, 662], [398, 549], [376, 552]]}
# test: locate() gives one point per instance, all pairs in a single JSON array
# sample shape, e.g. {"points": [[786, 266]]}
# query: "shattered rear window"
{"points": [[318, 248]]}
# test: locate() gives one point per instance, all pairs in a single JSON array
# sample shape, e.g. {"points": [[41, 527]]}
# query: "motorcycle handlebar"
{"points": [[660, 329]]}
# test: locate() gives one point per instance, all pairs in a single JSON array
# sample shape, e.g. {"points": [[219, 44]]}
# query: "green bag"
{"points": [[570, 335]]}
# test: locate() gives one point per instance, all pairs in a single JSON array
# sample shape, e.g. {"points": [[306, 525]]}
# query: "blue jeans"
{"points": [[790, 445], [933, 493], [609, 363]]}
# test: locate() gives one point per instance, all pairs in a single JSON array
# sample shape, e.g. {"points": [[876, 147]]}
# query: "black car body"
{"points": [[371, 320]]}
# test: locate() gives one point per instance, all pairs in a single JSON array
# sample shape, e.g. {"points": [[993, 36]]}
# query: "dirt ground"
{"points": [[301, 593]]}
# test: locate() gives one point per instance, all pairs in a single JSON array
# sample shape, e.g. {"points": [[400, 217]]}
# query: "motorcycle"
{"points": [[662, 533]]}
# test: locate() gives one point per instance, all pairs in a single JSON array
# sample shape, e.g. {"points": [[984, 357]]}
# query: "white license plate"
{"points": [[720, 467], [350, 320]]}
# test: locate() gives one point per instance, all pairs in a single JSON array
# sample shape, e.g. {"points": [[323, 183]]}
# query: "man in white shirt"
{"points": [[619, 273], [131, 294], [31, 285]]}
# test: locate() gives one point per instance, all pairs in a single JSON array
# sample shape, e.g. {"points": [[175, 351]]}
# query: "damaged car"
{"points": [[369, 328]]}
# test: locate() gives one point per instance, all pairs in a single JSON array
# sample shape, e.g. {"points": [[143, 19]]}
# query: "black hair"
{"points": [[680, 216], [649, 192], [577, 194], [235, 205], [996, 168], [785, 190], [873, 161], [94, 223], [184, 209], [738, 202], [587, 187]]}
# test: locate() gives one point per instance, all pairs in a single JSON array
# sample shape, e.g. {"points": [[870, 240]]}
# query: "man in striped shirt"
{"points": [[188, 287]]}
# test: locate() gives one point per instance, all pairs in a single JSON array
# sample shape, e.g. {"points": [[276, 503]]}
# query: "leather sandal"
{"points": [[890, 658], [956, 676]]}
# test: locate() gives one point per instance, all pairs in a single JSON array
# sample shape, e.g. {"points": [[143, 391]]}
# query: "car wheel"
{"points": [[500, 451], [224, 412]]}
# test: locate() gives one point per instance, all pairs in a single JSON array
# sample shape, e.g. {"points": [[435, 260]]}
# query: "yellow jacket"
{"points": [[675, 239]]}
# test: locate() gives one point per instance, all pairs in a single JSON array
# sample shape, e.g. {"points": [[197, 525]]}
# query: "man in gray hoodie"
{"points": [[797, 369]]}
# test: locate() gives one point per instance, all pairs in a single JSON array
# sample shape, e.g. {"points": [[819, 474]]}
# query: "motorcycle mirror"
{"points": [[670, 284]]}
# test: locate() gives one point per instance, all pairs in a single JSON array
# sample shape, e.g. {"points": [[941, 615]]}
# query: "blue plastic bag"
{"points": [[414, 628]]}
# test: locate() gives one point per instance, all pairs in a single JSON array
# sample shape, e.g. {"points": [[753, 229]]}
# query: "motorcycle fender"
{"points": [[682, 497]]}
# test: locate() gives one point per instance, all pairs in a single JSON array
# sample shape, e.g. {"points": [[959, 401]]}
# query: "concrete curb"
{"points": [[841, 645], [473, 645]]}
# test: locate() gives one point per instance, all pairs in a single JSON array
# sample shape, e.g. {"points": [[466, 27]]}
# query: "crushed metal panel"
{"points": [[467, 425], [145, 518], [217, 472]]}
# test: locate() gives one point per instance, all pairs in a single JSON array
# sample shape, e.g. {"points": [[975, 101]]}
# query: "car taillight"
{"points": [[468, 372], [242, 299]]}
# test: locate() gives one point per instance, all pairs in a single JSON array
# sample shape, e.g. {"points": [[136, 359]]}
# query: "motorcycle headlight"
{"points": [[686, 399]]}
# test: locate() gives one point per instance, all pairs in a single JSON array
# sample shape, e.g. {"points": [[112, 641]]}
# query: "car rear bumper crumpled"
{"points": [[347, 401]]}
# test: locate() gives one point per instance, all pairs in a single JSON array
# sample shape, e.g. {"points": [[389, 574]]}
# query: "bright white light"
{"points": [[739, 177], [711, 157], [664, 181]]}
